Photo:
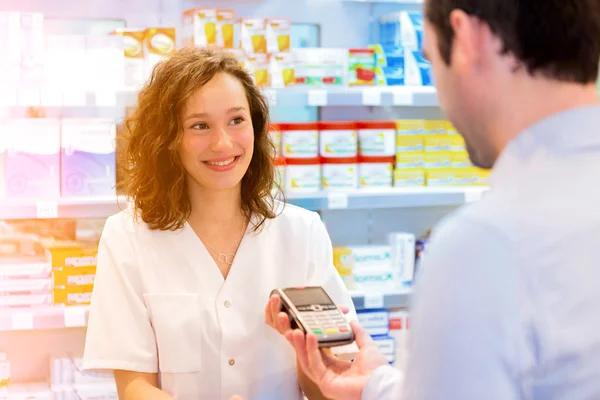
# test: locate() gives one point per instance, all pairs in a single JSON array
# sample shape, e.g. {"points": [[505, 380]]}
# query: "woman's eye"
{"points": [[200, 126], [237, 121]]}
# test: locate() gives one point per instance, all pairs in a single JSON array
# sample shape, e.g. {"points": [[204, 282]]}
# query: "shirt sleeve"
{"points": [[322, 272], [465, 319], [119, 334]]}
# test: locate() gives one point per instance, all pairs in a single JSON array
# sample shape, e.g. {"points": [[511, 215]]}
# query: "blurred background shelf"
{"points": [[112, 103], [375, 300], [43, 318], [360, 199], [60, 317], [387, 198], [80, 207]]}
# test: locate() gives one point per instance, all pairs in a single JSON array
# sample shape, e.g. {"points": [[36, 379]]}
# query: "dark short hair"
{"points": [[557, 38], [153, 174]]}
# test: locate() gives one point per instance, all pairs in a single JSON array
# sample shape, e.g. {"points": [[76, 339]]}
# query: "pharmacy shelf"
{"points": [[387, 198], [103, 207], [377, 300], [60, 317], [74, 207], [111, 103], [387, 96], [43, 317], [41, 391]]}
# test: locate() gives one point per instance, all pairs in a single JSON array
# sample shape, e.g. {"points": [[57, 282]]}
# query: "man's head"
{"points": [[486, 55]]}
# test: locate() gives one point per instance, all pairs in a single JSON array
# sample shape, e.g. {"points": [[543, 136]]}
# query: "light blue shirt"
{"points": [[509, 301]]}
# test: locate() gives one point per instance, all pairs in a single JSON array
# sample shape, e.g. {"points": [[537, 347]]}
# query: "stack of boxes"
{"points": [[73, 272], [382, 268], [25, 271], [399, 56], [68, 381], [143, 49], [433, 153], [372, 154], [262, 45], [49, 158], [42, 272], [389, 330]]}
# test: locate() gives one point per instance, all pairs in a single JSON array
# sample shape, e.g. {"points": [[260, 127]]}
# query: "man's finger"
{"points": [[268, 316], [284, 322], [344, 309], [236, 398], [315, 360], [361, 336], [299, 342]]}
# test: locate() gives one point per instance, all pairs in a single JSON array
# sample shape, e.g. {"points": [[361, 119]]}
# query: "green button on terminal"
{"points": [[317, 331]]}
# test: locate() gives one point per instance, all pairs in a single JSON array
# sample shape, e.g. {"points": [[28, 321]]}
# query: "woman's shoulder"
{"points": [[291, 215], [126, 224]]}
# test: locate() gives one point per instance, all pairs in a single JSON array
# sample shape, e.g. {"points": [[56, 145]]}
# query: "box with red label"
{"points": [[361, 67]]}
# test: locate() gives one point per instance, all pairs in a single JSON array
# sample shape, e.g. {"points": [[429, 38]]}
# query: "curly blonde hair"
{"points": [[153, 176]]}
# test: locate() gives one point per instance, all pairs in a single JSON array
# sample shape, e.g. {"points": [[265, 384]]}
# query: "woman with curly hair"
{"points": [[183, 276]]}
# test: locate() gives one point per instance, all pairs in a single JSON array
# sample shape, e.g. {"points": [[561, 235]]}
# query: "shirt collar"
{"points": [[564, 132]]}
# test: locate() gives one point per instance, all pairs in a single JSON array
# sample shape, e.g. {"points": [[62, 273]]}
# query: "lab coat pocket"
{"points": [[176, 320]]}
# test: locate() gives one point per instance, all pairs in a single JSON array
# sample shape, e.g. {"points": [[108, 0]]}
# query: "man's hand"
{"points": [[335, 378], [236, 398]]}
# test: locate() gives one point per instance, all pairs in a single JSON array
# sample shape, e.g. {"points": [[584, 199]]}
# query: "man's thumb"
{"points": [[361, 335]]}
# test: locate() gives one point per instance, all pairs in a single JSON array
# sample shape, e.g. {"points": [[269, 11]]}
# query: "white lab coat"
{"points": [[161, 305]]}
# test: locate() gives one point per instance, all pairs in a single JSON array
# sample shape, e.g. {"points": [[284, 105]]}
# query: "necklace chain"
{"points": [[227, 258]]}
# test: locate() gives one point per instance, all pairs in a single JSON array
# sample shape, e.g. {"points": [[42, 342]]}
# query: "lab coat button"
{"points": [[232, 361], [227, 304]]}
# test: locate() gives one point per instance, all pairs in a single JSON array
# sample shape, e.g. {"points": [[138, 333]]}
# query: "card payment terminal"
{"points": [[310, 309]]}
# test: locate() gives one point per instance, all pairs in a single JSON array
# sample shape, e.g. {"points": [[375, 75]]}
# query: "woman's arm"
{"points": [[138, 386]]}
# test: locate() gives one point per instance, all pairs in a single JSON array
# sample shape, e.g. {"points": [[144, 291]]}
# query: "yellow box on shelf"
{"points": [[439, 142], [73, 295], [458, 177], [451, 129], [436, 160], [342, 259], [410, 159], [460, 159], [408, 143], [409, 177], [435, 127], [410, 127], [457, 143]]}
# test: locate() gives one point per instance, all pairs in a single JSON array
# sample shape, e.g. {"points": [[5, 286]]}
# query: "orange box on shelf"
{"points": [[73, 295], [200, 27], [279, 31], [158, 43], [282, 70], [225, 29], [253, 35], [258, 67]]}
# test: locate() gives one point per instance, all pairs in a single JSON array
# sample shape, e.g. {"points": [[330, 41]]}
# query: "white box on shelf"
{"points": [[399, 324], [402, 247], [10, 48], [33, 158], [375, 322], [3, 139], [387, 347], [66, 66], [105, 62], [32, 48], [88, 157]]}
